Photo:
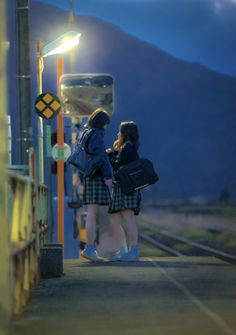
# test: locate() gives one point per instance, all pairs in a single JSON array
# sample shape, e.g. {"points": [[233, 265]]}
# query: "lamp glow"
{"points": [[62, 44]]}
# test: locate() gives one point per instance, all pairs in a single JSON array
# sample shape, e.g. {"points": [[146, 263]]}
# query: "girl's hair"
{"points": [[128, 132], [98, 119]]}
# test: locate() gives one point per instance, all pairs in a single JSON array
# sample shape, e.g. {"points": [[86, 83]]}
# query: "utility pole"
{"points": [[71, 15], [74, 120], [24, 78], [71, 27]]}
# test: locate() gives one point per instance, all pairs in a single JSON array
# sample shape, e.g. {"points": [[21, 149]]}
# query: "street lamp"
{"points": [[62, 44], [59, 46]]}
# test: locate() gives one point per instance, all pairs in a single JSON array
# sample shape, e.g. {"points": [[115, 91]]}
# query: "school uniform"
{"points": [[95, 189], [119, 200]]}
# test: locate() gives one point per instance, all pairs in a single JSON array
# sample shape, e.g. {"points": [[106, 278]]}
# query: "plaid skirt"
{"points": [[121, 201], [95, 191]]}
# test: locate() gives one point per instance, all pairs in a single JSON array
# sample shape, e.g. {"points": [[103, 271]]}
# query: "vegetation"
{"points": [[224, 240], [221, 210]]}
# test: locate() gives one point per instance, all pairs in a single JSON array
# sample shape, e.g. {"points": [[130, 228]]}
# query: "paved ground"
{"points": [[187, 295]]}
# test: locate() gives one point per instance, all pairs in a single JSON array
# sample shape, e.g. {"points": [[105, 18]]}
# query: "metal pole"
{"points": [[9, 140], [71, 27], [40, 120], [60, 163], [24, 79], [5, 303]]}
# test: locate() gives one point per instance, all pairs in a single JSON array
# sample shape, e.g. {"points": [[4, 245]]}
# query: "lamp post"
{"points": [[59, 46], [40, 120], [60, 163]]}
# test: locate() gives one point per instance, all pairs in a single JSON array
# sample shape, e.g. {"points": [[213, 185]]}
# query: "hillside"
{"points": [[186, 113]]}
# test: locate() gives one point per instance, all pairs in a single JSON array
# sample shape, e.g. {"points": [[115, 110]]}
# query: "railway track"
{"points": [[166, 241]]}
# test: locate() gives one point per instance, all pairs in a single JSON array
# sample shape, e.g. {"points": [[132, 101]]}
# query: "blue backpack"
{"points": [[86, 162]]}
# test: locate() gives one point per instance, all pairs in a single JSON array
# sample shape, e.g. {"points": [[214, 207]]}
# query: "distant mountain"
{"points": [[185, 112], [202, 30]]}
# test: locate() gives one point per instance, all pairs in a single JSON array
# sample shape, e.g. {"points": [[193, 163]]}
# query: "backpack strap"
{"points": [[85, 137], [82, 136], [127, 142]]}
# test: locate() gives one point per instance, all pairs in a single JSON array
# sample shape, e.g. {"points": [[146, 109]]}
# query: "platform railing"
{"points": [[4, 233], [28, 228]]}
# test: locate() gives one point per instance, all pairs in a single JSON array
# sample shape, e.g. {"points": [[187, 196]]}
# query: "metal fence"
{"points": [[23, 215], [4, 234], [28, 226]]}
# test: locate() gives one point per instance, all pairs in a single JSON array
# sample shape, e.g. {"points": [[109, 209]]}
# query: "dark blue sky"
{"points": [[195, 30]]}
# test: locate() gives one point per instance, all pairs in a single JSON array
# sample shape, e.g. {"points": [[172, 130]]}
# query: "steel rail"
{"points": [[160, 245], [212, 251]]}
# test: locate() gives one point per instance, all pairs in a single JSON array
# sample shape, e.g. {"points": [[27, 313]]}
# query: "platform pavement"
{"points": [[156, 296]]}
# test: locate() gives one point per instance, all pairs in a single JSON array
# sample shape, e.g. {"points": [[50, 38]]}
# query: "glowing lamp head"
{"points": [[62, 44]]}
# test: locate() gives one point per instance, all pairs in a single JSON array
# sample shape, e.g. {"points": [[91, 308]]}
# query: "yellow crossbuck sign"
{"points": [[47, 105]]}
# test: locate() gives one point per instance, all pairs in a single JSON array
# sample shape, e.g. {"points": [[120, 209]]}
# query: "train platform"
{"points": [[166, 295]]}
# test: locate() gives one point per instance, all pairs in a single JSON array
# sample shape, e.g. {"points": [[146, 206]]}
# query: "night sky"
{"points": [[201, 31]]}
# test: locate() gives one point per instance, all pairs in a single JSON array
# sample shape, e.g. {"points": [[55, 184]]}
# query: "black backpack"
{"points": [[136, 175]]}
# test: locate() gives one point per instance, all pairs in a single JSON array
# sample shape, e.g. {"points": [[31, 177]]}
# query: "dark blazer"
{"points": [[96, 146], [127, 154]]}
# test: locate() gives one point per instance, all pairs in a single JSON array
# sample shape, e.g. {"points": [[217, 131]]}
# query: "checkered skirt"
{"points": [[121, 201], [95, 191]]}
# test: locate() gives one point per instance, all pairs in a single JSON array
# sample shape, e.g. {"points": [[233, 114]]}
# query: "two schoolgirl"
{"points": [[123, 208]]}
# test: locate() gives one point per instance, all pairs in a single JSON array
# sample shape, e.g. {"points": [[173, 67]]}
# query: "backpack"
{"points": [[87, 163], [136, 175]]}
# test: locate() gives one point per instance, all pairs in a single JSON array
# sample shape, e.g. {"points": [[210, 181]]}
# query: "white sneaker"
{"points": [[118, 254], [91, 254], [115, 257]]}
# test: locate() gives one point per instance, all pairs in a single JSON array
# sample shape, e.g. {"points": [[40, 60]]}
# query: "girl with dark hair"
{"points": [[125, 207], [96, 188], [98, 119]]}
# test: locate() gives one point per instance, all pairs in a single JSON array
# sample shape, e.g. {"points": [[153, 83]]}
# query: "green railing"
{"points": [[28, 225], [23, 215], [4, 233]]}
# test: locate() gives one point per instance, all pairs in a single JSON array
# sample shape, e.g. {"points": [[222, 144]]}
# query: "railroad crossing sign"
{"points": [[61, 152], [47, 105]]}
